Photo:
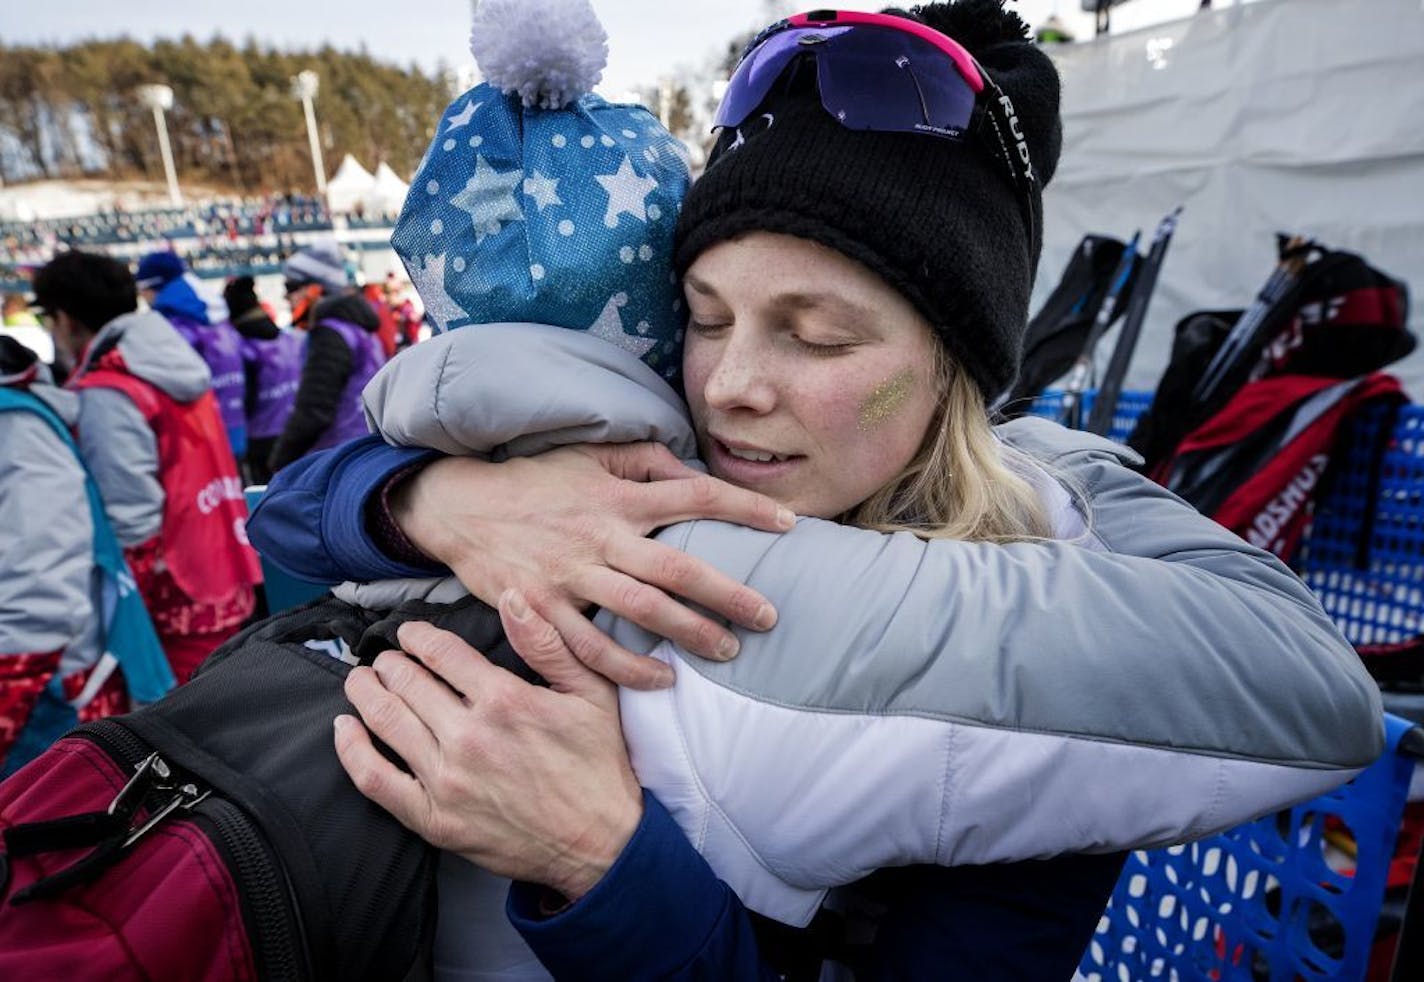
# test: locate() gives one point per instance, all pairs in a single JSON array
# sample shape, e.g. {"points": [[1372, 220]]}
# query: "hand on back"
{"points": [[527, 782], [569, 529]]}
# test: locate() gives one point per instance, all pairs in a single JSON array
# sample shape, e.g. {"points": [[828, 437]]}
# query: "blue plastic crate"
{"points": [[1260, 901]]}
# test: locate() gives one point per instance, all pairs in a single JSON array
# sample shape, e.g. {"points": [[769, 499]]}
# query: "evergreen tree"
{"points": [[73, 111]]}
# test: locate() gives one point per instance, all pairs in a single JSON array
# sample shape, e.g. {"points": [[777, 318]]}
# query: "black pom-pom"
{"points": [[976, 24]]}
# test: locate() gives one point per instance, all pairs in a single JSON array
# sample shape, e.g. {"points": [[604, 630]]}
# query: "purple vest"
{"points": [[221, 347], [366, 360], [277, 367]]}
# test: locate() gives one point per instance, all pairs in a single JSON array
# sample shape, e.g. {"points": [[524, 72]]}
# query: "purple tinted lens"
{"points": [[760, 69], [885, 80], [870, 79]]}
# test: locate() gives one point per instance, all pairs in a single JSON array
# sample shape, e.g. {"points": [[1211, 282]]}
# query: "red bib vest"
{"points": [[203, 540]]}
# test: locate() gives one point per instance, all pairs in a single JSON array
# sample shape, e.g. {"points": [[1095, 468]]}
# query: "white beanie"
{"points": [[321, 262]]}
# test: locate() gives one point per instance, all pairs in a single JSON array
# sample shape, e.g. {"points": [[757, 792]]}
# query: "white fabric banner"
{"points": [[1298, 116]]}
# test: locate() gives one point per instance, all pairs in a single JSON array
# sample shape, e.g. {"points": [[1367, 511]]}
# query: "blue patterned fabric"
{"points": [[553, 216]]}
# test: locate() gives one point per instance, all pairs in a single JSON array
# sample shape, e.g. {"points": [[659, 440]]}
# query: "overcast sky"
{"points": [[648, 39]]}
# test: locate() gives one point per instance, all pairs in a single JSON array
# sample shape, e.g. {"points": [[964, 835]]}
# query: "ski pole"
{"points": [[1105, 405], [1081, 373], [1242, 340]]}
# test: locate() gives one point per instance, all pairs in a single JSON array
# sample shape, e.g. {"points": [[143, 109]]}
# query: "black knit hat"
{"points": [[241, 296], [940, 220]]}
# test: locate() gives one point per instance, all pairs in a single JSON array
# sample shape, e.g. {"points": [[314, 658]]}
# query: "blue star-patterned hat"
{"points": [[532, 205]]}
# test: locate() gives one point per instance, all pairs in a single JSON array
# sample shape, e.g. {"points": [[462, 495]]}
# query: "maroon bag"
{"points": [[168, 909], [213, 836]]}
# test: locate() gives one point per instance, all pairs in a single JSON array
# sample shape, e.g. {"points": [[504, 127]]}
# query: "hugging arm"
{"points": [[645, 903], [659, 913], [311, 521], [662, 913], [1189, 680], [1165, 659], [566, 524]]}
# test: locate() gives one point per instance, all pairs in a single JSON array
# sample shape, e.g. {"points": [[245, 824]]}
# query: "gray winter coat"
{"points": [[1145, 679], [49, 592]]}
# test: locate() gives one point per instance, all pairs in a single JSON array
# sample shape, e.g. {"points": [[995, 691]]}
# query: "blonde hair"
{"points": [[963, 483]]}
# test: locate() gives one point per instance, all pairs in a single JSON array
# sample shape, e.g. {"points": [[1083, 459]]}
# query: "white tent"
{"points": [[387, 192], [349, 186], [1297, 116]]}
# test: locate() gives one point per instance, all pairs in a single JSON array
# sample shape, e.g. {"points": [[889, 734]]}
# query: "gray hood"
{"points": [[155, 352], [64, 403]]}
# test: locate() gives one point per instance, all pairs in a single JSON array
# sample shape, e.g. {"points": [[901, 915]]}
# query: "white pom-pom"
{"points": [[548, 52]]}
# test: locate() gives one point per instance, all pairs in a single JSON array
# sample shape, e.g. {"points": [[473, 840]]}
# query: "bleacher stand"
{"points": [[218, 239]]}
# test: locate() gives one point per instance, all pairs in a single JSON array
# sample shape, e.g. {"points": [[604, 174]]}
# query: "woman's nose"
{"points": [[740, 379]]}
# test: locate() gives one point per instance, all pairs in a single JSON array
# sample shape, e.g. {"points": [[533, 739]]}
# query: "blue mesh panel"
{"points": [[1260, 901], [1374, 593], [1130, 405]]}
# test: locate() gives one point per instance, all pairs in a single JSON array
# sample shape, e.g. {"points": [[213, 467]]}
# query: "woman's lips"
{"points": [[741, 470]]}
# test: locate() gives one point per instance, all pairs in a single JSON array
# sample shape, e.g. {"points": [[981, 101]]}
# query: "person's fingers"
{"points": [[539, 644], [600, 652], [447, 655], [654, 611], [391, 719], [377, 778], [642, 461], [666, 502], [656, 564], [433, 702]]}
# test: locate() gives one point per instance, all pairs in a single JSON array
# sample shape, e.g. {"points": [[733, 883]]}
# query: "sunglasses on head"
{"points": [[890, 75]]}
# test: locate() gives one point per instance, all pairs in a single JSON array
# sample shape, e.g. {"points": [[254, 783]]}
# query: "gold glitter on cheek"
{"points": [[885, 400]]}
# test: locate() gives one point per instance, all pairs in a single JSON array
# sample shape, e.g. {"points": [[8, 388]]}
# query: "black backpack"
{"points": [[330, 884]]}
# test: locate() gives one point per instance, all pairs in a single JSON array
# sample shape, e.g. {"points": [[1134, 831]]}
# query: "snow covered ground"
{"points": [[66, 199]]}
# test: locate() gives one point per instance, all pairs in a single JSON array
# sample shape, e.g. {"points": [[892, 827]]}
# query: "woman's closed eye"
{"points": [[706, 328], [823, 348]]}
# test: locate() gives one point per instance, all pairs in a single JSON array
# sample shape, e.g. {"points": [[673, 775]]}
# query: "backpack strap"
{"points": [[111, 832]]}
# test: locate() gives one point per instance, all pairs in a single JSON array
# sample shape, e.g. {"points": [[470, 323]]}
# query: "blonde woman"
{"points": [[1001, 656]]}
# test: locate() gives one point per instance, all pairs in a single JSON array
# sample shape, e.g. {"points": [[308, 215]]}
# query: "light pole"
{"points": [[158, 98], [304, 87]]}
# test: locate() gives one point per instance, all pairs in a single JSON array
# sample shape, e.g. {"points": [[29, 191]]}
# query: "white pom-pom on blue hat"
{"points": [[547, 52]]}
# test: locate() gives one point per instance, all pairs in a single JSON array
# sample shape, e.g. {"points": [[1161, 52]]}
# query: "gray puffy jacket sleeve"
{"points": [[122, 453], [46, 542], [957, 702], [942, 701]]}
